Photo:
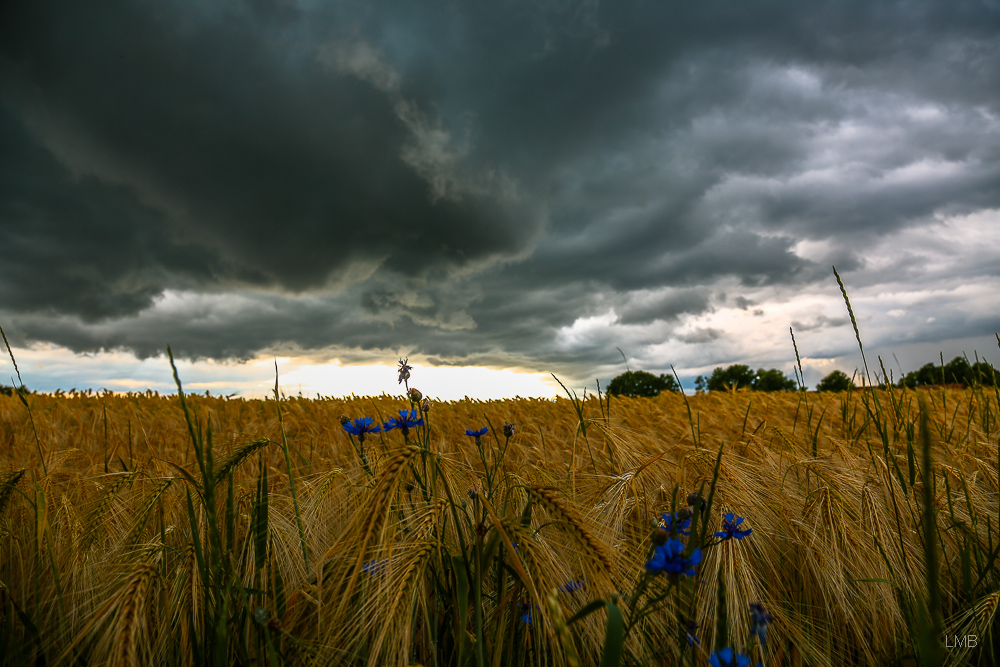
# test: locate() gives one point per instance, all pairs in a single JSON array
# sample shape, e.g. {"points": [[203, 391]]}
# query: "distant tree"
{"points": [[736, 376], [835, 381], [956, 371], [641, 383], [773, 380]]}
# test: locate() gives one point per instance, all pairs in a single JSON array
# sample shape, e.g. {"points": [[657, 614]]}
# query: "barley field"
{"points": [[192, 530]]}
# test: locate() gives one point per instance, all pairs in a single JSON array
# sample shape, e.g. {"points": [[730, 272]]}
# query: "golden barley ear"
{"points": [[236, 457], [95, 520], [411, 568], [372, 518], [548, 498], [985, 611], [139, 523], [7, 484], [133, 632]]}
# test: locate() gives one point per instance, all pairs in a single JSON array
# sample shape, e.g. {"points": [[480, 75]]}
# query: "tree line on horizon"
{"points": [[959, 371]]}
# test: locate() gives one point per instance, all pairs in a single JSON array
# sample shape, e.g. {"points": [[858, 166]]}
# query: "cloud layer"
{"points": [[515, 184]]}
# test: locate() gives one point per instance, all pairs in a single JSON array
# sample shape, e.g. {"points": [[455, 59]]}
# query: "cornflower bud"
{"points": [[414, 394], [508, 430], [695, 497], [660, 536], [426, 405], [344, 420]]}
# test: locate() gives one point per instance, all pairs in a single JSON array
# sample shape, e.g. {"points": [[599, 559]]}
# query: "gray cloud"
{"points": [[528, 184]]}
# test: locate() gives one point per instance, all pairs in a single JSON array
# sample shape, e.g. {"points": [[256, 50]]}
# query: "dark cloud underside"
{"points": [[468, 180]]}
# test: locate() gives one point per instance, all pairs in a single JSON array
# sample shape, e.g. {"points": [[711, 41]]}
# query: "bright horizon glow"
{"points": [[47, 368]]}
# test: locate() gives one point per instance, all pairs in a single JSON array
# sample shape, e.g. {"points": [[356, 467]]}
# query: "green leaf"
{"points": [[586, 611], [614, 637], [260, 519], [461, 600]]}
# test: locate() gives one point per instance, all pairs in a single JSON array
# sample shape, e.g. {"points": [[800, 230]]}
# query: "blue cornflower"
{"points": [[759, 620], [669, 558], [360, 426], [730, 528], [692, 639], [572, 587], [406, 421], [727, 658], [528, 615], [375, 567], [672, 523], [476, 434]]}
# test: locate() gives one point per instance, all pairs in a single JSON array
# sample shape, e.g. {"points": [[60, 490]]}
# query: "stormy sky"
{"points": [[518, 185]]}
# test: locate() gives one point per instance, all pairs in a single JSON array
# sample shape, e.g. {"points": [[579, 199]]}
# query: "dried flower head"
{"points": [[694, 498], [404, 370]]}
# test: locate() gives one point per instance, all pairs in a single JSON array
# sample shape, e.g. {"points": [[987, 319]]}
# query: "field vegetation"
{"points": [[201, 530]]}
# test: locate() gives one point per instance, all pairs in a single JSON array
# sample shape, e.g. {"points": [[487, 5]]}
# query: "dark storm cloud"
{"points": [[469, 180]]}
